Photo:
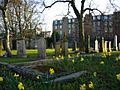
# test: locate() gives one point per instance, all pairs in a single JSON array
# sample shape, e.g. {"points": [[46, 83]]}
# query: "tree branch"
{"points": [[53, 4]]}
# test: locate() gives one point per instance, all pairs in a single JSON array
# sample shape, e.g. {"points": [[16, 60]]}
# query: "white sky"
{"points": [[60, 9]]}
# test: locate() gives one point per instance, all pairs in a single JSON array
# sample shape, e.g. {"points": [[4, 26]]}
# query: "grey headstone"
{"points": [[21, 50], [105, 47], [41, 46], [57, 48], [96, 46], [115, 43], [109, 46]]}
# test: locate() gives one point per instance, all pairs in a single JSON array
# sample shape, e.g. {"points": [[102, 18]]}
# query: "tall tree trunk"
{"points": [[7, 40]]}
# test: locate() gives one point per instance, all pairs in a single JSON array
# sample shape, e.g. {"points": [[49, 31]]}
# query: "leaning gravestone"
{"points": [[105, 47], [88, 44], [41, 46], [21, 50], [96, 46], [102, 45], [109, 46], [1, 47], [57, 48], [115, 43]]}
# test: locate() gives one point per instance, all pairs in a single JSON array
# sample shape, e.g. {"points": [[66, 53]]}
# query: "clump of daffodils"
{"points": [[118, 76], [118, 58], [51, 71], [21, 86], [84, 86], [95, 74]]}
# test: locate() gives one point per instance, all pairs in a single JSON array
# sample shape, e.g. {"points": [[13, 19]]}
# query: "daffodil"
{"points": [[57, 58], [83, 87], [102, 62], [91, 85], [82, 59], [1, 79], [38, 76], [51, 71], [73, 60], [104, 55], [16, 75], [117, 58], [118, 76], [94, 74], [69, 56], [62, 57], [21, 86]]}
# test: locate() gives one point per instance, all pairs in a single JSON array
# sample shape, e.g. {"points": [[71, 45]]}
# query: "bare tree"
{"points": [[79, 14]]}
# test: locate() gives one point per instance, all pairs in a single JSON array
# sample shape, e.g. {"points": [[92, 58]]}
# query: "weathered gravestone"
{"points": [[21, 49], [96, 46], [109, 46], [41, 46], [105, 49], [65, 48], [88, 44], [102, 45], [57, 48], [1, 46], [119, 46], [115, 43]]}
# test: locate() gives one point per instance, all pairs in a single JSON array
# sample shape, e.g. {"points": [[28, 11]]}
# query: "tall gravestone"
{"points": [[119, 46], [105, 47], [65, 48], [88, 44], [109, 46], [115, 43], [21, 49], [102, 45], [41, 46], [1, 46], [57, 48], [96, 46]]}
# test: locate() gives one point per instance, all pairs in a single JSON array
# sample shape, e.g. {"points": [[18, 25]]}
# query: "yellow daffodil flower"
{"points": [[62, 57], [83, 87], [38, 76], [104, 55], [118, 76], [95, 74], [82, 59], [102, 62], [69, 56], [1, 79], [21, 86], [73, 60], [51, 71], [91, 85], [57, 58], [16, 75]]}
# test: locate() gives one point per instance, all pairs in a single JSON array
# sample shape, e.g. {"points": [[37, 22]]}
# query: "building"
{"points": [[97, 26], [68, 27]]}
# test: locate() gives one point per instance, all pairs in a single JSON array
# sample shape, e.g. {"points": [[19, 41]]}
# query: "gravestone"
{"points": [[102, 45], [115, 43], [105, 49], [74, 46], [41, 46], [1, 46], [109, 47], [96, 46], [57, 48], [119, 46], [21, 50], [65, 48], [88, 44]]}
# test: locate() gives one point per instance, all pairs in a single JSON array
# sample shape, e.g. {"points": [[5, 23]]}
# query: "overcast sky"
{"points": [[60, 9]]}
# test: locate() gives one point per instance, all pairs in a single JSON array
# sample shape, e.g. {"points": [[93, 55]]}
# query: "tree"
{"points": [[79, 14], [3, 8]]}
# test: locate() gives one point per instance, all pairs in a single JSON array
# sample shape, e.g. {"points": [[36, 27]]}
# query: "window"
{"points": [[55, 27], [56, 22], [69, 21], [60, 32], [69, 26], [73, 20], [60, 21], [60, 26], [98, 17]]}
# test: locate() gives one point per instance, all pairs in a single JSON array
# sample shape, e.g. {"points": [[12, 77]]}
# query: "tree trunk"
{"points": [[7, 40]]}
